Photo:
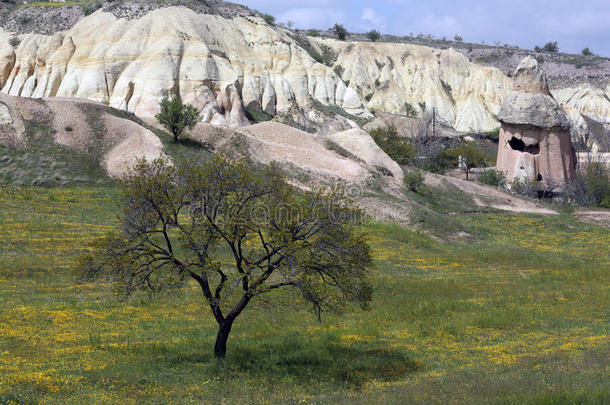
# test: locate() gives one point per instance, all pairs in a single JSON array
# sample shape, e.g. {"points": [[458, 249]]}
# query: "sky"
{"points": [[574, 24]]}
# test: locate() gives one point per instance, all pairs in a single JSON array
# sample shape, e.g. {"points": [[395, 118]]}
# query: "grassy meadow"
{"points": [[516, 314]]}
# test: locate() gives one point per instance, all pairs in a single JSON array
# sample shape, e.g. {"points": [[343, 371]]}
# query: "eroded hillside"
{"points": [[223, 57]]}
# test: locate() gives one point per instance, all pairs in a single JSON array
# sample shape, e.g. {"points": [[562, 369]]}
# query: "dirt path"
{"points": [[597, 217]]}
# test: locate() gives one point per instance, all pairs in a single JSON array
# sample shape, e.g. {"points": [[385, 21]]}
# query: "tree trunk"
{"points": [[220, 348]]}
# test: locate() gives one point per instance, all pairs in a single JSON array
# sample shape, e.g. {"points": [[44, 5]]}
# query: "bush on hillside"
{"points": [[591, 187], [397, 147], [410, 111], [373, 35], [340, 31], [269, 19], [492, 177], [91, 8], [587, 52], [414, 180], [550, 46], [471, 156]]}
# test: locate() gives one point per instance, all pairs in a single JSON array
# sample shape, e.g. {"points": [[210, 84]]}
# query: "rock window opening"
{"points": [[519, 145]]}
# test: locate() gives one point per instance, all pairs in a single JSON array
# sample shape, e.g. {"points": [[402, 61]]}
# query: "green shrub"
{"points": [[492, 135], [492, 177], [597, 182], [269, 19], [472, 156], [399, 148], [590, 187], [458, 38], [414, 180], [339, 70], [91, 8], [373, 35], [329, 57], [257, 116], [340, 31], [548, 47], [410, 111], [587, 52], [313, 33]]}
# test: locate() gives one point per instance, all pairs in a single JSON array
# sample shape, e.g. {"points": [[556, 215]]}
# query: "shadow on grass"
{"points": [[310, 360], [315, 359], [324, 360]]}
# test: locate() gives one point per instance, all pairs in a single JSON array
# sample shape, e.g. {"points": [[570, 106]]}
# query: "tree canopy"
{"points": [[340, 31], [185, 224], [177, 116]]}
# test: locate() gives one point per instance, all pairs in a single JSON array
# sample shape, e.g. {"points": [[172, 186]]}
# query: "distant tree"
{"points": [[458, 38], [373, 35], [313, 33], [289, 24], [269, 19], [340, 31], [238, 233], [551, 47], [177, 116], [587, 52], [466, 156], [410, 111], [399, 148]]}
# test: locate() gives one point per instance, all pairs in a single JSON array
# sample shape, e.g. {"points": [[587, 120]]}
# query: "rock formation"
{"points": [[535, 141], [214, 63], [84, 127], [466, 96], [131, 57], [588, 110], [349, 157]]}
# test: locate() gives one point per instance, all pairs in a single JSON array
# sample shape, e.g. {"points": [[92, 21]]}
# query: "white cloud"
{"points": [[372, 20]]}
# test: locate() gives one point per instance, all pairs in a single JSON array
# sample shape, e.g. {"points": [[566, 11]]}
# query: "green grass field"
{"points": [[517, 314]]}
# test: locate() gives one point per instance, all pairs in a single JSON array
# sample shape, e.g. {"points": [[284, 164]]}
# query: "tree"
{"points": [[399, 148], [550, 47], [340, 31], [587, 52], [269, 19], [409, 110], [458, 38], [186, 224], [466, 156], [373, 35], [177, 116]]}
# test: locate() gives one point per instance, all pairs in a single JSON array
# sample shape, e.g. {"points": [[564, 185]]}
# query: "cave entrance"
{"points": [[519, 145]]}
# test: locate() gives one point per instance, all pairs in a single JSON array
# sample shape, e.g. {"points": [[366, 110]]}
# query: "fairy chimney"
{"points": [[535, 141]]}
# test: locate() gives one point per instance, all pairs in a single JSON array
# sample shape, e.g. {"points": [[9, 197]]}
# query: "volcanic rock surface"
{"points": [[535, 142]]}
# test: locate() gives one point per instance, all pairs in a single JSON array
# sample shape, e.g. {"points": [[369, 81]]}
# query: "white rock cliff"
{"points": [[221, 65], [212, 62]]}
